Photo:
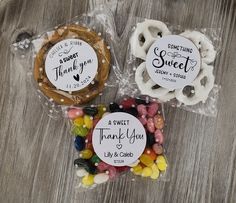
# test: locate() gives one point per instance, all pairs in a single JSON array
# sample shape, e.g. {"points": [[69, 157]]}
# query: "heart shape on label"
{"points": [[119, 146], [193, 64], [76, 77]]}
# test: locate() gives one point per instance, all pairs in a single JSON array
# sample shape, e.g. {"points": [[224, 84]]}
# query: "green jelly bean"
{"points": [[79, 131]]}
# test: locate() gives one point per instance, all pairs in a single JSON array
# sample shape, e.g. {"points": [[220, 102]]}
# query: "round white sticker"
{"points": [[119, 139], [71, 64], [173, 62]]}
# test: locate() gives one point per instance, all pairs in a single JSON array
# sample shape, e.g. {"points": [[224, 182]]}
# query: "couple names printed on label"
{"points": [[119, 139]]}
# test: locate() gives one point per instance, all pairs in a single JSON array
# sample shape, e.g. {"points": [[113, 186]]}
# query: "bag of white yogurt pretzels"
{"points": [[172, 64]]}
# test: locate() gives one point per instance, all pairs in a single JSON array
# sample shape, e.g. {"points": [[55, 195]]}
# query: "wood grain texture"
{"points": [[37, 154]]}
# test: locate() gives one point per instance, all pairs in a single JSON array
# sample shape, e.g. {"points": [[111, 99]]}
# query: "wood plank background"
{"points": [[36, 152]]}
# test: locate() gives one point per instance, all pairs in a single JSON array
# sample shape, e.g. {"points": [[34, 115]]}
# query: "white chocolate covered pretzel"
{"points": [[148, 88], [204, 45], [144, 35], [200, 88]]}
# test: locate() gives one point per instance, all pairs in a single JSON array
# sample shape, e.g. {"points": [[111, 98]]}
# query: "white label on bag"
{"points": [[119, 139], [173, 62], [71, 65]]}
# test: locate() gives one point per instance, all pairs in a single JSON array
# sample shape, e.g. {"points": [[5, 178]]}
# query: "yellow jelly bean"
{"points": [[147, 171], [161, 163], [137, 170], [88, 121], [146, 160], [86, 154], [79, 121], [155, 172], [88, 180], [101, 110]]}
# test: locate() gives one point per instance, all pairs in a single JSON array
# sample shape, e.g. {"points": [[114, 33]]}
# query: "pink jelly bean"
{"points": [[142, 110], [102, 166], [150, 125], [74, 113], [143, 120], [121, 169], [128, 103], [112, 172], [152, 109], [159, 136]]}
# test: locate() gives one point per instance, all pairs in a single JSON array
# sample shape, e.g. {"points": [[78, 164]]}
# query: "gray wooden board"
{"points": [[36, 152]]}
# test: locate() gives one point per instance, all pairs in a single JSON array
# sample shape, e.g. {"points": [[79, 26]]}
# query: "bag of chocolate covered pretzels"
{"points": [[123, 138], [172, 64], [73, 63]]}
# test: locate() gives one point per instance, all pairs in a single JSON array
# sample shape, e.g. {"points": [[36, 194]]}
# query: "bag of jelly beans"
{"points": [[122, 137]]}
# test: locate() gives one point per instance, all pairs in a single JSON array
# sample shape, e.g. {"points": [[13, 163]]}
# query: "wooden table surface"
{"points": [[36, 152]]}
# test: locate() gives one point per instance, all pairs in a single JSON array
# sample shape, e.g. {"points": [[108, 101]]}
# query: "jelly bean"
{"points": [[152, 109], [141, 101], [137, 170], [112, 172], [133, 111], [142, 109], [146, 160], [82, 163], [150, 125], [95, 159], [91, 111], [134, 163], [114, 107], [79, 143], [101, 110], [79, 121], [88, 180], [150, 153], [155, 172], [147, 171], [121, 169], [86, 154], [159, 122], [102, 166], [128, 103], [79, 131], [88, 121], [101, 178], [143, 120], [159, 136], [74, 113], [161, 163], [157, 148], [150, 139], [81, 172]]}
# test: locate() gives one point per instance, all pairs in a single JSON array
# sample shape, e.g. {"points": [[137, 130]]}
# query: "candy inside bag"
{"points": [[173, 65], [73, 63], [131, 141]]}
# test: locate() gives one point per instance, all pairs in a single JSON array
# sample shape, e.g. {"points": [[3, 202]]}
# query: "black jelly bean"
{"points": [[150, 140], [83, 163], [133, 111], [141, 101], [114, 107], [91, 111]]}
